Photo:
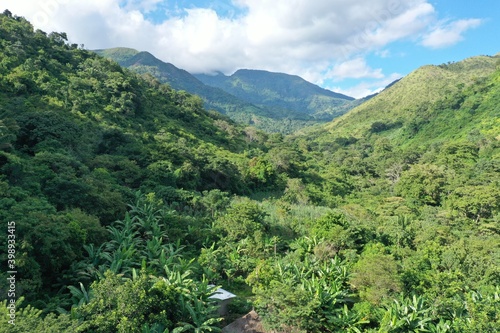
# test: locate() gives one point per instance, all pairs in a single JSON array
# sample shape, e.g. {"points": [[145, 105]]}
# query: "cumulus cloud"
{"points": [[356, 68], [279, 35], [366, 88], [449, 34], [312, 39]]}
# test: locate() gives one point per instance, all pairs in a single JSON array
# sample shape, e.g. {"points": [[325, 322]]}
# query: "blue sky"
{"points": [[351, 46]]}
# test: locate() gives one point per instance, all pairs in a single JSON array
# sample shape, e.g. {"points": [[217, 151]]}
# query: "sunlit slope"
{"points": [[414, 97]]}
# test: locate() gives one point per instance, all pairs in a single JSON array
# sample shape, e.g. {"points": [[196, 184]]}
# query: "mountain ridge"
{"points": [[319, 106], [281, 90], [248, 74], [417, 90]]}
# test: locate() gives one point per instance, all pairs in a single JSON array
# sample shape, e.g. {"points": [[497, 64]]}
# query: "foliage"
{"points": [[309, 295], [29, 319], [174, 302], [129, 198]]}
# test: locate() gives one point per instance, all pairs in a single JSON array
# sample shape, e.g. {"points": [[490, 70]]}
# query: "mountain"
{"points": [[146, 63], [302, 104], [416, 100], [280, 91]]}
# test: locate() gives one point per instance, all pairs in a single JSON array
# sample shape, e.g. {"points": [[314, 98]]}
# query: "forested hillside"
{"points": [[272, 102], [178, 79], [130, 201], [279, 91]]}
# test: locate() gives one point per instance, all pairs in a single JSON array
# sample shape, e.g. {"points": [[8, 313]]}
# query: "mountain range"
{"points": [[275, 102]]}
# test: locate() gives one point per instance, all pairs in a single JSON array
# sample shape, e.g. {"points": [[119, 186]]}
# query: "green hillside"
{"points": [[216, 99], [123, 201], [281, 91], [118, 54], [413, 95], [81, 139], [435, 115]]}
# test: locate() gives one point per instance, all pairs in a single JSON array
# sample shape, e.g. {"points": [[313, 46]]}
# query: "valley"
{"points": [[138, 189]]}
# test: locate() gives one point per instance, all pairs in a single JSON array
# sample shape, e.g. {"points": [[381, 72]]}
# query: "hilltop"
{"points": [[410, 97]]}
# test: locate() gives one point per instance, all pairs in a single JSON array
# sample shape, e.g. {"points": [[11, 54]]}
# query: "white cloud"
{"points": [[364, 89], [408, 24], [449, 34], [355, 69], [279, 35], [383, 53], [302, 37]]}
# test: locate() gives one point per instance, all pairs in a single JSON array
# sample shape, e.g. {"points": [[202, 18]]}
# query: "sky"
{"points": [[355, 47]]}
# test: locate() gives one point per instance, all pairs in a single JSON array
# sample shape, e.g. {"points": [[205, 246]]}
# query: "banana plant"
{"points": [[155, 328], [123, 234], [152, 250], [406, 315], [80, 296], [345, 320], [201, 318], [89, 268]]}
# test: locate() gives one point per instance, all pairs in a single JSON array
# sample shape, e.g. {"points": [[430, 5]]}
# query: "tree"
{"points": [[175, 302], [7, 129], [476, 201], [260, 172], [309, 295], [295, 192], [29, 319], [375, 275], [423, 183], [242, 219]]}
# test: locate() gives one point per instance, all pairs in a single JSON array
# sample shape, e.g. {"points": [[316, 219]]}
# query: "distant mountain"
{"points": [[280, 91], [179, 79], [272, 102]]}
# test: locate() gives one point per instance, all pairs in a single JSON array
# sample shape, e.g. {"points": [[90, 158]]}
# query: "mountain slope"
{"points": [[283, 113], [282, 91], [413, 96], [146, 63], [79, 135], [179, 79], [439, 120]]}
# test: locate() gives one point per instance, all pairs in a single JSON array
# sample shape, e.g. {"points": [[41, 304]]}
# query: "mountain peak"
{"points": [[257, 82], [416, 91], [119, 54]]}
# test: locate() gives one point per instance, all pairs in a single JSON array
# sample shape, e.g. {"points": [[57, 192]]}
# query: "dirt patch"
{"points": [[249, 323]]}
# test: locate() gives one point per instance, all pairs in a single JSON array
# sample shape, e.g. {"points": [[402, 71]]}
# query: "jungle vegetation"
{"points": [[131, 201]]}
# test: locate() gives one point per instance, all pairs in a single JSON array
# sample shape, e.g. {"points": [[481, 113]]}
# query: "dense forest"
{"points": [[132, 203]]}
